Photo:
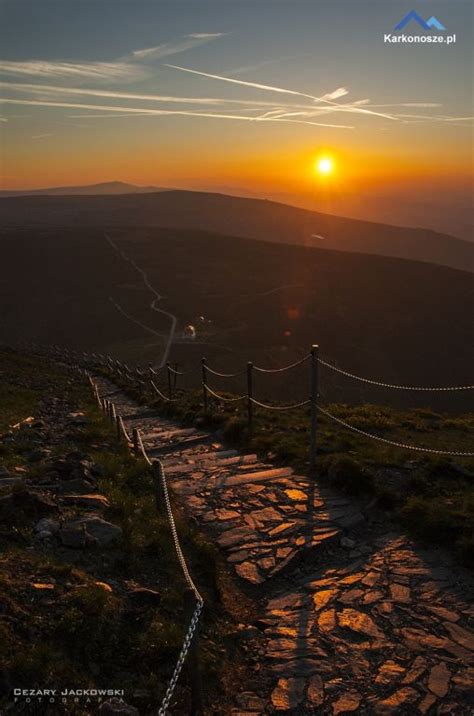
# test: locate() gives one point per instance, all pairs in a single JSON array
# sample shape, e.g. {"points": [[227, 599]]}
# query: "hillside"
{"points": [[91, 591], [249, 218], [390, 319]]}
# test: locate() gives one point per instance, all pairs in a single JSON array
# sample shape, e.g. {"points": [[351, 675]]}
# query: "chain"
{"points": [[181, 659], [392, 385], [221, 397], [162, 395], [225, 375], [406, 446], [282, 370], [280, 407], [122, 427]]}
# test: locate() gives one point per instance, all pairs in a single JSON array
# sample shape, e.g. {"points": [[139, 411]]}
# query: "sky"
{"points": [[238, 95]]}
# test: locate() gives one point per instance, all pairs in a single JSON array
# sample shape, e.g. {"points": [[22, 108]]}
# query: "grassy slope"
{"points": [[392, 319], [84, 631], [250, 218]]}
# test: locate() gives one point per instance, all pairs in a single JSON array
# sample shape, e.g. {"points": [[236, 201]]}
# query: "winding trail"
{"points": [[354, 617], [153, 305]]}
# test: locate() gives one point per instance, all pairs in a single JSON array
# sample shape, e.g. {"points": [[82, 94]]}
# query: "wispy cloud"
{"points": [[160, 112], [281, 90], [130, 67], [42, 136], [363, 107], [71, 70]]}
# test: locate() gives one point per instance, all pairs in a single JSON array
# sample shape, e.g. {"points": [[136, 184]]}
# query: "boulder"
{"points": [[48, 525], [26, 503], [88, 531]]}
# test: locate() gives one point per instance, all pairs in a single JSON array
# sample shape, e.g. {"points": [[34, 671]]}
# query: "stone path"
{"points": [[358, 620]]}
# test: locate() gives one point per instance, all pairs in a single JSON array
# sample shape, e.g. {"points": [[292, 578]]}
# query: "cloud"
{"points": [[131, 67], [270, 88], [71, 70], [188, 42], [159, 112], [42, 89], [41, 136], [339, 92]]}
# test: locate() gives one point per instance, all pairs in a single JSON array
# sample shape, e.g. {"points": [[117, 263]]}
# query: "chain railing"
{"points": [[315, 394], [194, 602]]}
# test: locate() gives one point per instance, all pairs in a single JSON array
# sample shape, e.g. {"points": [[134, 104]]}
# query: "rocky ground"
{"points": [[354, 617], [91, 593], [315, 603]]}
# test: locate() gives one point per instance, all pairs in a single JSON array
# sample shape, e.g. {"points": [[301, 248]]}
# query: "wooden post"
{"points": [[314, 382], [204, 383], [193, 656], [170, 385], [249, 394], [175, 382], [119, 429], [136, 448]]}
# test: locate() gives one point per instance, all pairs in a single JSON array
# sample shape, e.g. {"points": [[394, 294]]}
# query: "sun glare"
{"points": [[324, 165]]}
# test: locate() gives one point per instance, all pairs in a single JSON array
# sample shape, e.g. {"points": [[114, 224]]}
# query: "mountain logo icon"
{"points": [[431, 24]]}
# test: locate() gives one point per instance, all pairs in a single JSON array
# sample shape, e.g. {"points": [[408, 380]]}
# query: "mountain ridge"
{"points": [[252, 218]]}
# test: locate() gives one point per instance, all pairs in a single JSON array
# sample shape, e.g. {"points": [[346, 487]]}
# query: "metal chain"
{"points": [[174, 533], [280, 407], [224, 375], [392, 385], [162, 395], [406, 446], [181, 659], [175, 372], [282, 370], [123, 429], [221, 397]]}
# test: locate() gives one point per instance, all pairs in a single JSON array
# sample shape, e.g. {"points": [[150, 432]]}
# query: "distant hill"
{"points": [[384, 318], [237, 216], [104, 188]]}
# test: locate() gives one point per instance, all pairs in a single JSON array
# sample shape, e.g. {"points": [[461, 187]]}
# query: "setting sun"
{"points": [[324, 165]]}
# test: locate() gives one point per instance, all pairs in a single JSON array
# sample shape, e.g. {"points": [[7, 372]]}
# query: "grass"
{"points": [[432, 496], [88, 630]]}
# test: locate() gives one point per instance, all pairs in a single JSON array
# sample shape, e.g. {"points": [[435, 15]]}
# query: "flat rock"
{"points": [[347, 703], [249, 571], [360, 623], [322, 598], [438, 680], [104, 533], [389, 671], [89, 501], [397, 703], [288, 694]]}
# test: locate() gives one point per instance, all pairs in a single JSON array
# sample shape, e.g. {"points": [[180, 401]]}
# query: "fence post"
{"points": [[204, 383], [193, 656], [249, 394], [175, 382], [170, 386], [135, 441], [314, 381], [119, 429]]}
